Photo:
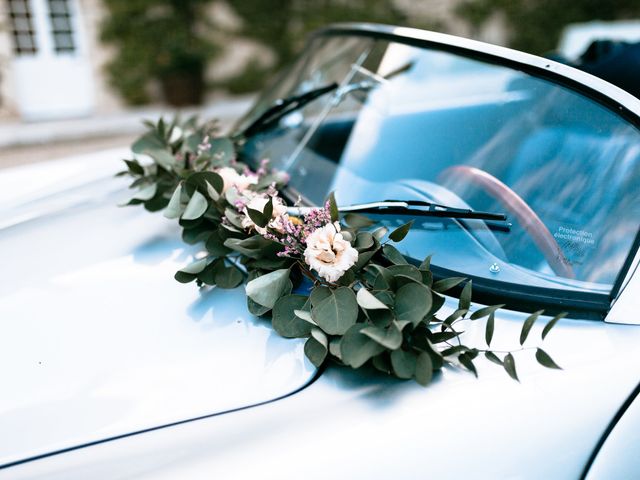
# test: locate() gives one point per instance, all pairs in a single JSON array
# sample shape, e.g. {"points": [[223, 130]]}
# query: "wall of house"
{"points": [[7, 107], [439, 13]]}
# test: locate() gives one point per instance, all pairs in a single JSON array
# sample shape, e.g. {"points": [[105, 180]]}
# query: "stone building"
{"points": [[51, 59]]}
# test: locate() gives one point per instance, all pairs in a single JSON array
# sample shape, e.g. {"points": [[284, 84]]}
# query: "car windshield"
{"points": [[413, 123]]}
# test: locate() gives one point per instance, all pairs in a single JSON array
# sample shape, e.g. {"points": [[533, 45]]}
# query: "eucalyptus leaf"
{"points": [[196, 266], [545, 360], [258, 217], [253, 247], [380, 318], [379, 233], [174, 209], [459, 313], [222, 150], [305, 315], [492, 357], [318, 294], [382, 363], [157, 202], [184, 277], [267, 289], [488, 334], [196, 207], [547, 328], [509, 365], [212, 192], [228, 277], [147, 192], [528, 323], [333, 207], [356, 349], [336, 313], [399, 233], [465, 297], [134, 167], [406, 270], [356, 220], [256, 309], [483, 312], [390, 337], [284, 318], [426, 264], [203, 180], [393, 255], [467, 362], [162, 158], [147, 142], [364, 241], [215, 245], [367, 301], [315, 351], [196, 234], [424, 369], [413, 302], [403, 363]]}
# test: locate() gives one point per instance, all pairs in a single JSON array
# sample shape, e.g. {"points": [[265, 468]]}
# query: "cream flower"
{"points": [[258, 202], [231, 178], [328, 253]]}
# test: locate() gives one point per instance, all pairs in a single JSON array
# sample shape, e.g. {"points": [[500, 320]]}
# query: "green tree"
{"points": [[155, 39], [536, 25], [283, 25]]}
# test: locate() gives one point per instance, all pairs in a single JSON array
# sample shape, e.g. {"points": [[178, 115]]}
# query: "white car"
{"points": [[111, 369]]}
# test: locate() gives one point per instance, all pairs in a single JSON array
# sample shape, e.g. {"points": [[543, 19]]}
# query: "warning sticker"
{"points": [[575, 243]]}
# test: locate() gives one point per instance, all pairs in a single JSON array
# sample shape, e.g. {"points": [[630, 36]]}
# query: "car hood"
{"points": [[547, 426], [97, 339]]}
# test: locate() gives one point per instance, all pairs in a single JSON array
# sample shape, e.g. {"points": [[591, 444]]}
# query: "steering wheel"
{"points": [[523, 213]]}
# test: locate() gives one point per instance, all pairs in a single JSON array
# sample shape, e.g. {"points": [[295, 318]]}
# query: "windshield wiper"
{"points": [[284, 106], [415, 208]]}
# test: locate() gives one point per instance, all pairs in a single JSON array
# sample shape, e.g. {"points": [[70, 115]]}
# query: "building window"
{"points": [[61, 31], [24, 37]]}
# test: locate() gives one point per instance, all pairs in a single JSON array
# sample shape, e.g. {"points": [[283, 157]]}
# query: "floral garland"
{"points": [[338, 282]]}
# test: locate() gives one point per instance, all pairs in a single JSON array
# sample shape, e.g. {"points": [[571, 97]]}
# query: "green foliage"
{"points": [[283, 25], [535, 26], [250, 79], [155, 39], [384, 310]]}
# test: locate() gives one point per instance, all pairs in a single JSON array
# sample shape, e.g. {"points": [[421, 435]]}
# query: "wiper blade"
{"points": [[284, 106], [417, 208]]}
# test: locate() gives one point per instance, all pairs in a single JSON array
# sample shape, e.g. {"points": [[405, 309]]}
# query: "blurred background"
{"points": [[79, 74]]}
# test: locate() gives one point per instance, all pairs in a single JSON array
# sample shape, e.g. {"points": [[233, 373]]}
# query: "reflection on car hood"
{"points": [[459, 427], [96, 337]]}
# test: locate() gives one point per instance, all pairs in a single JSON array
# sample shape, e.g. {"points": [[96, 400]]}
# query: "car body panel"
{"points": [[614, 459], [345, 424], [96, 337], [363, 425]]}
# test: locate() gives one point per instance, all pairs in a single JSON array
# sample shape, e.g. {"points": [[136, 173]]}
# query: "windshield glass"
{"points": [[416, 123]]}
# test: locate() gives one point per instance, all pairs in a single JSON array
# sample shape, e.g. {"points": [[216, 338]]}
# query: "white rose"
{"points": [[258, 202], [231, 178], [328, 253]]}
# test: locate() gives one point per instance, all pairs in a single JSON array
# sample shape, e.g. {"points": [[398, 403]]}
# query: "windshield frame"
{"points": [[592, 305]]}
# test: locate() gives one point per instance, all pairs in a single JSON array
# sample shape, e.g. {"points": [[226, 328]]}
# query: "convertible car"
{"points": [[111, 369]]}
